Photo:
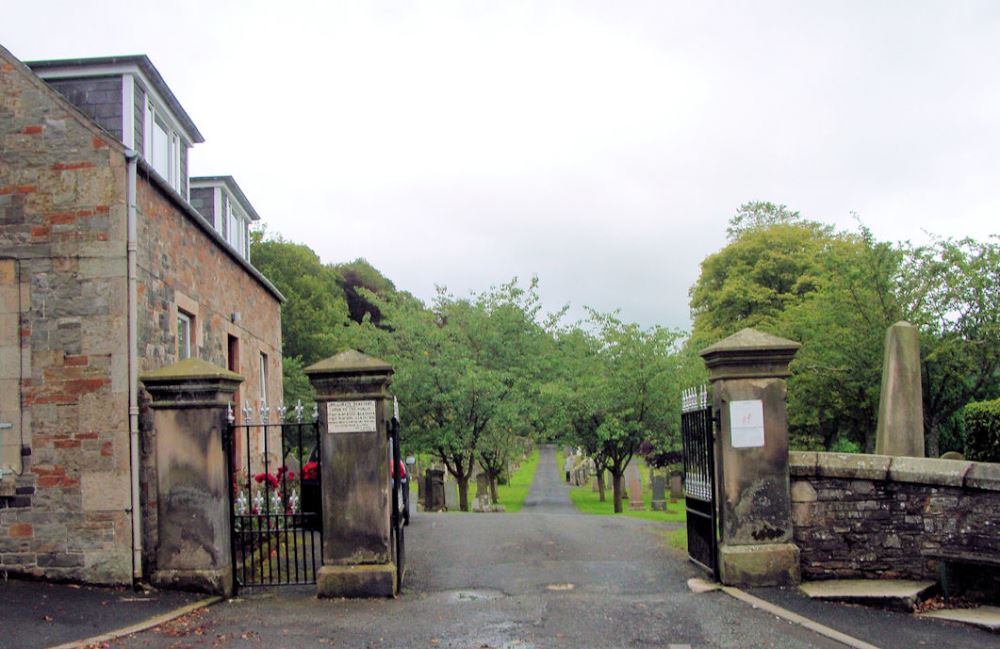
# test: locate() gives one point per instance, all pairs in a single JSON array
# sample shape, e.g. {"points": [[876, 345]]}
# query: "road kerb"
{"points": [[804, 622], [141, 626]]}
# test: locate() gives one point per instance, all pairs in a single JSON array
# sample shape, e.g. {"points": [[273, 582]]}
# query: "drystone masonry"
{"points": [[875, 516]]}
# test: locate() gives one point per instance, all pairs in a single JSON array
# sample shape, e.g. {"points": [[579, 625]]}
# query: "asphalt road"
{"points": [[544, 577]]}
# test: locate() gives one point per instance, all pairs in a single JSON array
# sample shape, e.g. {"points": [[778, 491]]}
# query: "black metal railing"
{"points": [[276, 523], [697, 432]]}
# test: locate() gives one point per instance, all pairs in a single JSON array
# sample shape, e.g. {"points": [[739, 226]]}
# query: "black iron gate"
{"points": [[276, 522], [699, 479], [399, 498]]}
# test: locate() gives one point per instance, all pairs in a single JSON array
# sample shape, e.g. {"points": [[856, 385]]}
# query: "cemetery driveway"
{"points": [[544, 577]]}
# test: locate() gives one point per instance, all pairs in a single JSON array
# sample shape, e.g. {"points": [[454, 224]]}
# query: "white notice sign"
{"points": [[746, 422], [350, 417]]}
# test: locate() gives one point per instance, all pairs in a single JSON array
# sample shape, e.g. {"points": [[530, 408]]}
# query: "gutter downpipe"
{"points": [[132, 161]]}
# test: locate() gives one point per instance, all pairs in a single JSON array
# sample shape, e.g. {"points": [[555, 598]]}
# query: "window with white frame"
{"points": [[263, 378], [184, 329], [163, 147], [236, 232], [263, 403]]}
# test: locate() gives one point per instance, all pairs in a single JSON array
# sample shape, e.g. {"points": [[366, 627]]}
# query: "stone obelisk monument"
{"points": [[900, 408]]}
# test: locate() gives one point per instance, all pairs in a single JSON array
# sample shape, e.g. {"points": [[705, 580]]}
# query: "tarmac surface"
{"points": [[544, 577], [36, 614]]}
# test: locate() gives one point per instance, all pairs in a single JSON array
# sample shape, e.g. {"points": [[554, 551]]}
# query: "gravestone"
{"points": [[676, 487], [292, 462], [433, 490], [634, 480], [483, 503], [659, 502], [450, 495], [900, 406]]}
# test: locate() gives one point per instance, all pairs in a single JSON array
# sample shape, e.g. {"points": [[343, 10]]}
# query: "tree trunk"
{"points": [[617, 484], [600, 485], [463, 493]]}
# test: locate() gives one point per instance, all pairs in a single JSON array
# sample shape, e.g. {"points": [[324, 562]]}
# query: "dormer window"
{"points": [[222, 203], [127, 96]]}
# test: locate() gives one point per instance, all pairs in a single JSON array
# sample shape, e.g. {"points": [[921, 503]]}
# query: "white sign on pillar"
{"points": [[746, 423], [351, 417]]}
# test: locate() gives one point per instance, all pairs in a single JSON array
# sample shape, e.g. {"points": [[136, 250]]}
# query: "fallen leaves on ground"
{"points": [[939, 603]]}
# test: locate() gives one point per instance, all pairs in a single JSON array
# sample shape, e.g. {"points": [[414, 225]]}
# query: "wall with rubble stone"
{"points": [[64, 510], [875, 516]]}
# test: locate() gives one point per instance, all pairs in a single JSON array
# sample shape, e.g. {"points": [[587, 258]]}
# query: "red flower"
{"points": [[310, 470], [291, 475], [271, 480], [260, 477], [281, 469]]}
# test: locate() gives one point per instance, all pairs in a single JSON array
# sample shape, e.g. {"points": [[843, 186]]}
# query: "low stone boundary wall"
{"points": [[875, 516]]}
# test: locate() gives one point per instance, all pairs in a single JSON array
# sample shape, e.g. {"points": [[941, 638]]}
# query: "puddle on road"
{"points": [[475, 595]]}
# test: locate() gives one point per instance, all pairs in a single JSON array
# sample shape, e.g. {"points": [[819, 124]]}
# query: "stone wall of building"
{"points": [[876, 516], [62, 225], [184, 266]]}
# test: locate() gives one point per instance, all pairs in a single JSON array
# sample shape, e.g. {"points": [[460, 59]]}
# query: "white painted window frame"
{"points": [[186, 321]]}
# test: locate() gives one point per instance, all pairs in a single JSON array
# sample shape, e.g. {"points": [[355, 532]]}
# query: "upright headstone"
{"points": [[634, 481], [450, 494], [900, 407], [676, 487], [748, 371], [354, 408], [659, 502], [434, 490], [189, 417]]}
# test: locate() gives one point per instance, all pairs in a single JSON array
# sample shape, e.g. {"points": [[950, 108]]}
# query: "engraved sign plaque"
{"points": [[351, 417], [746, 420]]}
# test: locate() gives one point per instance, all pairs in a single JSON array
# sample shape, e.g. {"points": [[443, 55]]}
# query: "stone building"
{"points": [[107, 271]]}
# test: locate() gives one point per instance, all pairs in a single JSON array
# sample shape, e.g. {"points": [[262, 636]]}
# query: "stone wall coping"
{"points": [[350, 362], [931, 471], [189, 369]]}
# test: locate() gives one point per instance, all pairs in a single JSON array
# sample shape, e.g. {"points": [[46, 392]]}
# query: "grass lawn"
{"points": [[512, 495], [588, 501]]}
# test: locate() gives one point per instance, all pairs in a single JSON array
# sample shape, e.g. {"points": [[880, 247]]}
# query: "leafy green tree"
{"points": [[358, 280], [766, 268], [833, 393], [314, 316], [464, 368], [643, 393], [953, 289]]}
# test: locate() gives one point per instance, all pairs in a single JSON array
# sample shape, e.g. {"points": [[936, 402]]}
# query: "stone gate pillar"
{"points": [[189, 418], [747, 371], [354, 402]]}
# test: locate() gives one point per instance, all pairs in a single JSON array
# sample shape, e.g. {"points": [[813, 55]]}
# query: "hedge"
{"points": [[981, 421]]}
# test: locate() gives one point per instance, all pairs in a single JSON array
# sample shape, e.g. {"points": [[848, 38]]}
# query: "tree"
{"points": [[643, 396], [954, 296], [759, 215], [766, 269], [833, 393], [358, 279], [466, 369]]}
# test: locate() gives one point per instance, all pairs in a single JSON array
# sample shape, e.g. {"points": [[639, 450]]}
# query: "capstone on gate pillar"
{"points": [[747, 371], [354, 402], [190, 401]]}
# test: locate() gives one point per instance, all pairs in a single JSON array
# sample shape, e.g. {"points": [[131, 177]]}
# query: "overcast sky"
{"points": [[600, 145]]}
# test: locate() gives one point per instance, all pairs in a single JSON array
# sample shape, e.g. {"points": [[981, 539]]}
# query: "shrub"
{"points": [[981, 420]]}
